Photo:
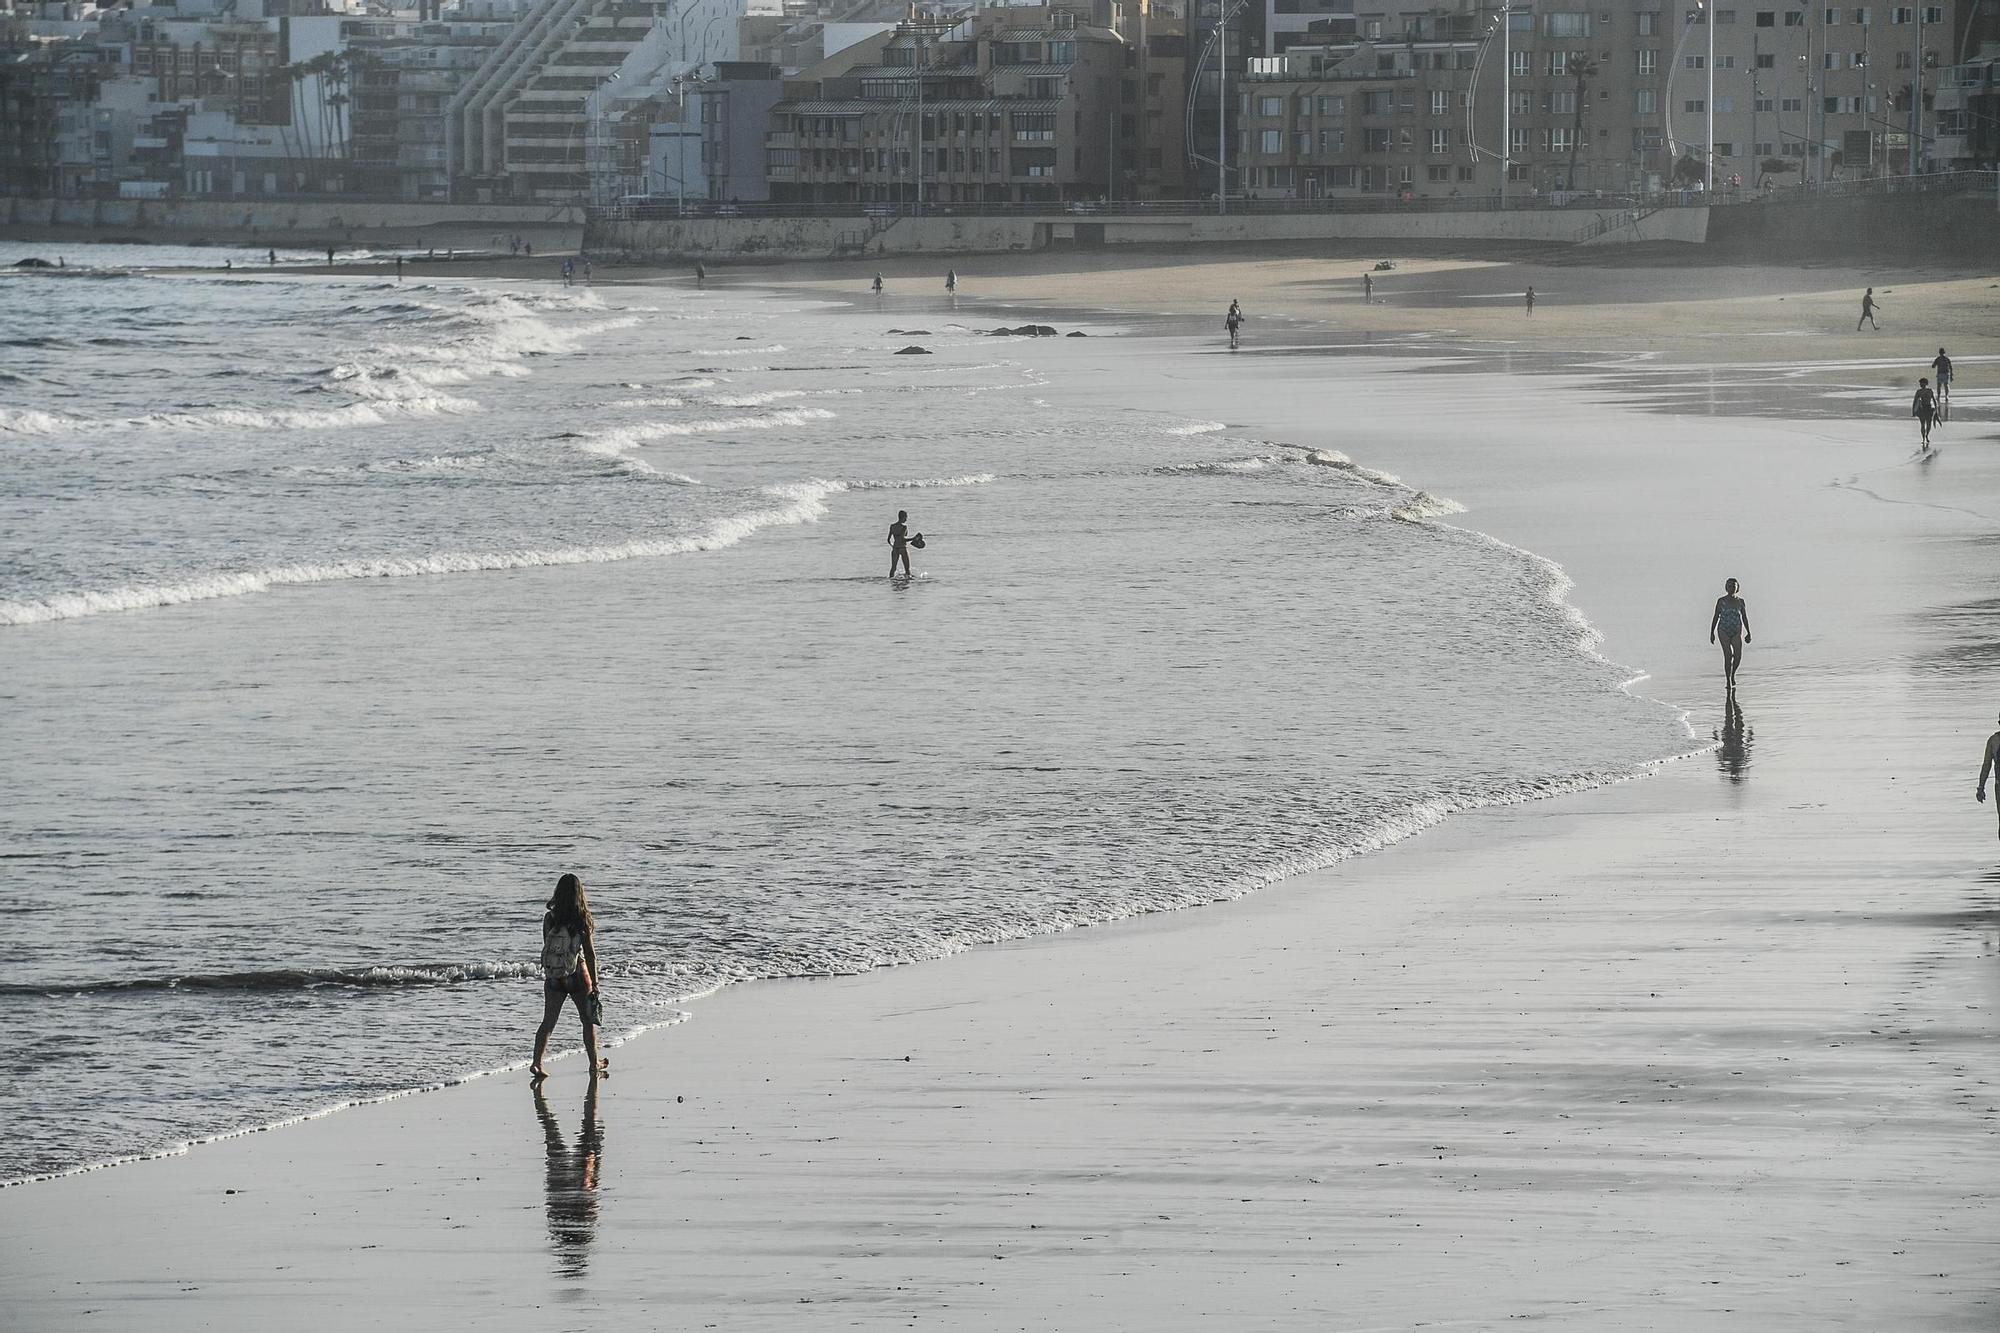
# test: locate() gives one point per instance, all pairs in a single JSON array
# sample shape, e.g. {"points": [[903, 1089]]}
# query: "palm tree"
{"points": [[1584, 69]]}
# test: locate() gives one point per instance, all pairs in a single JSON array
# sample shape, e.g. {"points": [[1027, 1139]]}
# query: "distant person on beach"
{"points": [[528, 249], [568, 272], [1731, 622], [899, 543], [1868, 308], [878, 284], [227, 265], [1942, 365], [1367, 287], [1233, 321], [1531, 300], [399, 268], [569, 971], [1923, 406], [329, 256], [271, 258], [701, 275], [1989, 763], [586, 272], [951, 279]]}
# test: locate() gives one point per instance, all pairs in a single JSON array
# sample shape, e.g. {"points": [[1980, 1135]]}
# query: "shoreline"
{"points": [[1460, 842]]}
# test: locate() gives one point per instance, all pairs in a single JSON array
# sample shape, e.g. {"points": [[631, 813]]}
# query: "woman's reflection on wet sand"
{"points": [[574, 1174], [1732, 755]]}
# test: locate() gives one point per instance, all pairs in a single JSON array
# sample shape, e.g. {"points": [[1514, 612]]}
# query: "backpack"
{"points": [[562, 951]]}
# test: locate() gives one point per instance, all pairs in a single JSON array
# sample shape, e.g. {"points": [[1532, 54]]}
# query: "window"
{"points": [[1271, 142], [1861, 17], [1566, 25], [1270, 107], [1558, 140], [1404, 138], [1465, 173], [1517, 142], [1649, 22], [1563, 103], [1902, 60], [1524, 64], [1694, 104], [1301, 144], [1333, 106], [1725, 106], [1373, 30], [1062, 53], [1933, 14], [1831, 60], [1558, 64], [1333, 141], [1523, 103], [1725, 149], [1440, 141], [1035, 126], [1725, 62], [1831, 18], [1649, 60], [1694, 62], [1859, 60], [1646, 101], [1438, 175], [1765, 60], [1795, 18], [1374, 141], [1377, 103], [1791, 104], [1406, 175], [1440, 102], [1765, 104], [1900, 15], [1762, 149], [1723, 17], [1767, 18]]}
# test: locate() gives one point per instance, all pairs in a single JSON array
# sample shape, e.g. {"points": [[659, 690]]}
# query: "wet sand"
{"points": [[1707, 1049]]}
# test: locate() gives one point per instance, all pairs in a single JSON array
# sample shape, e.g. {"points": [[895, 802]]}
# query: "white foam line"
{"points": [[802, 503]]}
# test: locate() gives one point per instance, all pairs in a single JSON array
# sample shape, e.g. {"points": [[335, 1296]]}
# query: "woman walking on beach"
{"points": [[569, 971], [1732, 622], [1923, 406]]}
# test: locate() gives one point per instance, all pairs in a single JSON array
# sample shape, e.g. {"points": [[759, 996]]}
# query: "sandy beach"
{"points": [[1711, 1048]]}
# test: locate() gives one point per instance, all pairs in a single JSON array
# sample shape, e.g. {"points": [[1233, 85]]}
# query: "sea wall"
{"points": [[1936, 228], [298, 222], [819, 238]]}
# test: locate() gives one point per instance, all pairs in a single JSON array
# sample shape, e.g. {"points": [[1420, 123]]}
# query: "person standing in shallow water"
{"points": [[1731, 622], [899, 543], [1989, 763], [569, 971]]}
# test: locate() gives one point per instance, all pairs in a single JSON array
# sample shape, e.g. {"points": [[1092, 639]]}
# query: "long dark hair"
{"points": [[568, 906]]}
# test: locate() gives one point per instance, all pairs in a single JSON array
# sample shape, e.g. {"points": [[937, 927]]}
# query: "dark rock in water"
{"points": [[743, 337], [1026, 331], [1077, 333], [1002, 333], [912, 333], [914, 350], [32, 262]]}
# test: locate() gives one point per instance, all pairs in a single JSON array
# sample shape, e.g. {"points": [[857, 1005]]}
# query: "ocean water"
{"points": [[339, 617]]}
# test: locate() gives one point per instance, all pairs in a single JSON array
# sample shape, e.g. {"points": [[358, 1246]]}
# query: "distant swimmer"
{"points": [[1731, 622], [1233, 321], [1367, 287], [1990, 763], [1868, 309], [569, 971], [1923, 406], [1531, 300], [271, 258], [900, 542], [878, 284]]}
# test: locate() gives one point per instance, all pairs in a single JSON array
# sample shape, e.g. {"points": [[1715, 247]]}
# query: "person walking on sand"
{"points": [[1989, 763], [1233, 321], [569, 971], [1868, 309], [1923, 406], [1531, 300], [951, 280], [1942, 365], [701, 275], [1731, 622], [1367, 288], [877, 284], [899, 543]]}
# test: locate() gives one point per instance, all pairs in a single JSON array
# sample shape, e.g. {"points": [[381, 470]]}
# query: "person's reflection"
{"points": [[1733, 754], [574, 1174]]}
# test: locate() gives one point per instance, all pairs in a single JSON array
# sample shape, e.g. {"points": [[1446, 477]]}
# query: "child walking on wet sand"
{"points": [[1731, 623]]}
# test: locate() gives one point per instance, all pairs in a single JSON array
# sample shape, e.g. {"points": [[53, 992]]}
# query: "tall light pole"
{"points": [[1222, 108], [1506, 99], [1916, 84], [1708, 21]]}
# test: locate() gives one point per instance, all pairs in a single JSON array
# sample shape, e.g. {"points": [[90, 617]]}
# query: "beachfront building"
{"points": [[1967, 103], [402, 91], [1429, 103], [1003, 105]]}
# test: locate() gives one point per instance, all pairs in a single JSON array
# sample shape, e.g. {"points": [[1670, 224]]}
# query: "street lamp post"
{"points": [[1506, 100]]}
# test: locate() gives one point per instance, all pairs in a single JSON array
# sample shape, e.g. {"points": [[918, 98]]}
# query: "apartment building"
{"points": [[1618, 99], [1007, 104]]}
